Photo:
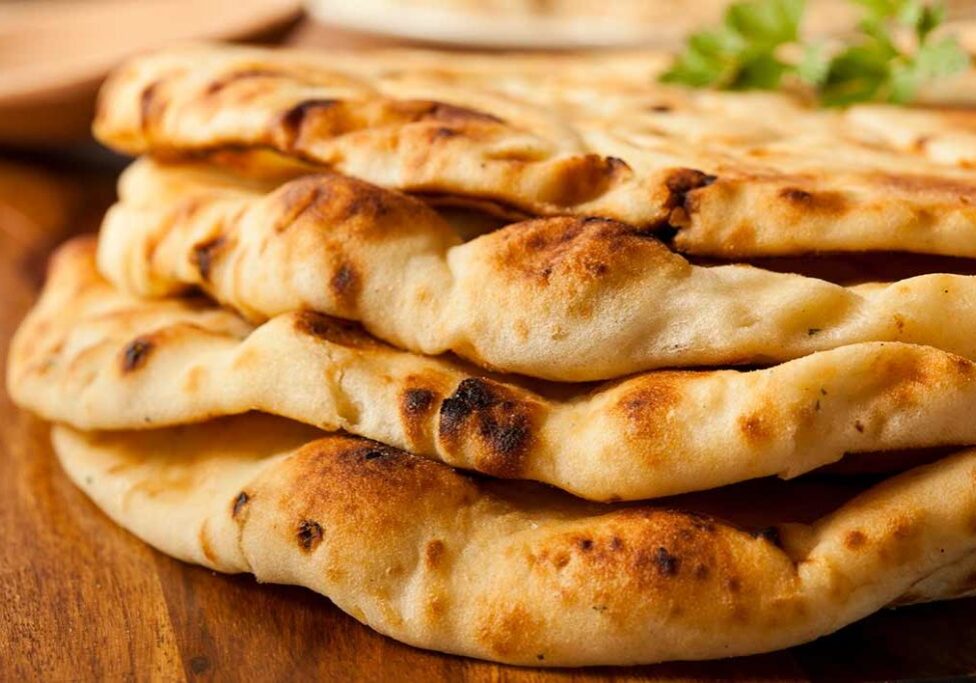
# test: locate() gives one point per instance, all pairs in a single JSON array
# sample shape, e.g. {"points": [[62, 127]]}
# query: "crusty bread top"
{"points": [[98, 359], [563, 298], [733, 173]]}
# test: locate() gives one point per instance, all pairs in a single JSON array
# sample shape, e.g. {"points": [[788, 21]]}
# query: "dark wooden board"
{"points": [[83, 600]]}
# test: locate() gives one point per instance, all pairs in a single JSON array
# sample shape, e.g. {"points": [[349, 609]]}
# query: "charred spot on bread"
{"points": [[135, 353], [204, 253], [308, 534], [667, 563], [240, 502], [491, 419]]}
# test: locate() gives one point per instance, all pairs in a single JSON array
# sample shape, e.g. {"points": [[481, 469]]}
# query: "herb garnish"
{"points": [[746, 52]]}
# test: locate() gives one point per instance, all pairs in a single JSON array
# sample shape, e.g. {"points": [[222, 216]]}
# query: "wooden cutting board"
{"points": [[54, 53], [80, 599]]}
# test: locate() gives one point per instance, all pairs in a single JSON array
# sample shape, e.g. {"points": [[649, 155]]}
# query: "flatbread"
{"points": [[514, 573], [97, 359], [569, 299], [734, 174]]}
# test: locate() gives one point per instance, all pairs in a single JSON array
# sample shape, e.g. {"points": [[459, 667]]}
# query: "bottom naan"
{"points": [[521, 573]]}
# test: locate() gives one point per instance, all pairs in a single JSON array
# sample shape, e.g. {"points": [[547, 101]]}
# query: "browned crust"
{"points": [[155, 363], [493, 425], [395, 539], [782, 186]]}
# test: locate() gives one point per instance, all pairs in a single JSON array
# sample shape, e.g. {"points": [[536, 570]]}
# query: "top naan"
{"points": [[730, 174]]}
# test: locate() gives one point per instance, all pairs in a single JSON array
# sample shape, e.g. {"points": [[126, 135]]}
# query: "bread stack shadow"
{"points": [[473, 349]]}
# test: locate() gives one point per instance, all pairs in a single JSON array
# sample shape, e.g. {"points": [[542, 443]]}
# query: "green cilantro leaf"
{"points": [[815, 65], [858, 73], [768, 23], [940, 58], [740, 54], [932, 60], [883, 10], [743, 52], [928, 20]]}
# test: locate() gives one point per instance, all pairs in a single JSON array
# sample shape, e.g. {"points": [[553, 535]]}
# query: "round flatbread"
{"points": [[98, 359], [729, 174], [567, 298], [521, 574]]}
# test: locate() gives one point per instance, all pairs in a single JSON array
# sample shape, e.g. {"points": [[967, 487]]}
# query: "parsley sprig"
{"points": [[746, 52]]}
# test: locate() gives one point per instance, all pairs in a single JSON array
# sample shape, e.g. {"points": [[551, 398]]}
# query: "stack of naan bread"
{"points": [[355, 320]]}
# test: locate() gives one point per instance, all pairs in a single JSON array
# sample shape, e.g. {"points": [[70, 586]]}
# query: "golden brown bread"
{"points": [[736, 174], [507, 570], [563, 298], [97, 359], [514, 573]]}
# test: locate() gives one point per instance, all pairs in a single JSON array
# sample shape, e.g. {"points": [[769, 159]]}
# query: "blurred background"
{"points": [[55, 53]]}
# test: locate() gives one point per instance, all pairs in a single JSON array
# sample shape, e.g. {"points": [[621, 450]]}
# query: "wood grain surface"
{"points": [[84, 600]]}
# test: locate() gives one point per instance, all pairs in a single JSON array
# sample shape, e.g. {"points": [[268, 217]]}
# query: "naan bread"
{"points": [[565, 298], [951, 582], [97, 359], [513, 573], [735, 174]]}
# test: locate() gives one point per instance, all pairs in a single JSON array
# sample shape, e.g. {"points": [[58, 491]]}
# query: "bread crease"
{"points": [[98, 359], [565, 298], [735, 174]]}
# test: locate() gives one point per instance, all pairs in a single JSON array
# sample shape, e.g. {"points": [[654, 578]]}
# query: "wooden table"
{"points": [[80, 599]]}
